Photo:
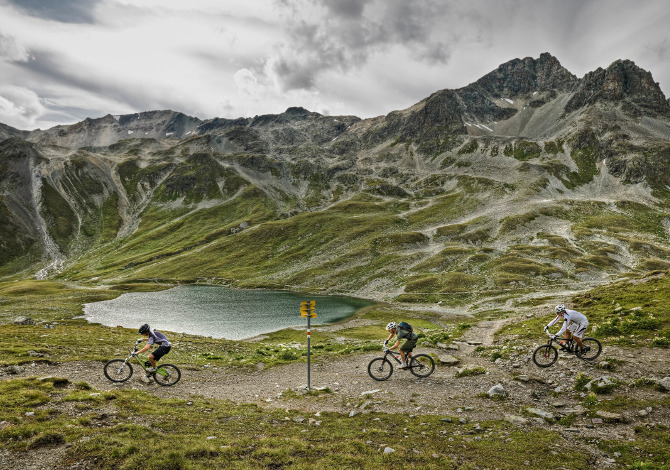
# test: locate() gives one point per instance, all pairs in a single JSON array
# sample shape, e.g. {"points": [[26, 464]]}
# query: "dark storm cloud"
{"points": [[347, 33], [63, 11]]}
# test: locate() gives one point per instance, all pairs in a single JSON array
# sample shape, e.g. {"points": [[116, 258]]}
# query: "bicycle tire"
{"points": [[596, 349], [545, 355], [167, 375], [380, 369], [118, 370], [422, 365]]}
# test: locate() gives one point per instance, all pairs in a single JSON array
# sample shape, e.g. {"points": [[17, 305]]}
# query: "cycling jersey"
{"points": [[406, 334], [156, 337], [571, 317]]}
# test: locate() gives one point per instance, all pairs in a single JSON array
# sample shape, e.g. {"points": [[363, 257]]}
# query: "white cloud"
{"points": [[209, 58], [19, 107], [12, 50]]}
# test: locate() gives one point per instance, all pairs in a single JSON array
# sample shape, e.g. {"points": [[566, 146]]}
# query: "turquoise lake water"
{"points": [[218, 312]]}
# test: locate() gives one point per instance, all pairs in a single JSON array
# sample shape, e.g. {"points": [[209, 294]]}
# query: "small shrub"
{"points": [[661, 343], [47, 439], [590, 400], [581, 380], [287, 355], [471, 371]]}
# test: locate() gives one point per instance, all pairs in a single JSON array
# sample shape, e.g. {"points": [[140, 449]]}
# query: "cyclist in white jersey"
{"points": [[574, 324]]}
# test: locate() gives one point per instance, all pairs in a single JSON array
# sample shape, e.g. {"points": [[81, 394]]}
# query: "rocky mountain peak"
{"points": [[623, 80], [520, 76]]}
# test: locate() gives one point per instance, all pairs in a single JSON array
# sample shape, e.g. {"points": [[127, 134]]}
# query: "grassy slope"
{"points": [[109, 428]]}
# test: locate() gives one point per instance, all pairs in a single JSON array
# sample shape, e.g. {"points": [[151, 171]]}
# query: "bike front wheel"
{"points": [[422, 365], [380, 368], [593, 347], [118, 370], [167, 374], [545, 355]]}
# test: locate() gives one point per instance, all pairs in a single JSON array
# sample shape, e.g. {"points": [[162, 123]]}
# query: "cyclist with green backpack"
{"points": [[403, 330]]}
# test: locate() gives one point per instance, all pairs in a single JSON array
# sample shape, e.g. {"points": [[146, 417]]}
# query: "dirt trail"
{"points": [[349, 384], [350, 390]]}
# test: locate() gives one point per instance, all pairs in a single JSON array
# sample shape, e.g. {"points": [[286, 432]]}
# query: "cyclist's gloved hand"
{"points": [[133, 353], [138, 341], [386, 349]]}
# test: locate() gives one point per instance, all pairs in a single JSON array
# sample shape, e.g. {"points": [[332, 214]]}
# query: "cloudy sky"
{"points": [[64, 60]]}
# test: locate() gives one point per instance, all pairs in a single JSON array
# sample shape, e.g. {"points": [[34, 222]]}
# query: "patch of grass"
{"points": [[247, 436], [471, 371]]}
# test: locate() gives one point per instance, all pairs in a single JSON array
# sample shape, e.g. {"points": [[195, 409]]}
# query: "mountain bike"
{"points": [[547, 354], [120, 370], [381, 368]]}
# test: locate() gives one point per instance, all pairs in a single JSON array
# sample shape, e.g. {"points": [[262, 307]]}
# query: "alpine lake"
{"points": [[219, 312]]}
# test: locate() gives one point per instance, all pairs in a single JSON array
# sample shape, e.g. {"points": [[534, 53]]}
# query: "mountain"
{"points": [[526, 180]]}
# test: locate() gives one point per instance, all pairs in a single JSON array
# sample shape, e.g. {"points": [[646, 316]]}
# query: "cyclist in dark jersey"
{"points": [[154, 337], [410, 341]]}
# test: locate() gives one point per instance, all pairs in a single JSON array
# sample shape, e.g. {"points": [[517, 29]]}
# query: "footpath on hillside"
{"points": [[459, 388]]}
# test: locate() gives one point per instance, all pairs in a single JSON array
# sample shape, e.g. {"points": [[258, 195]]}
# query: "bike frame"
{"points": [[141, 359], [388, 352], [569, 343]]}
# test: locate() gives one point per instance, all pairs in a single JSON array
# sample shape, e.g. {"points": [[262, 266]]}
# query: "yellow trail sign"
{"points": [[307, 309]]}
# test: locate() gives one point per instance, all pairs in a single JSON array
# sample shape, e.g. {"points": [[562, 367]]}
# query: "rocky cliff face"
{"points": [[528, 176]]}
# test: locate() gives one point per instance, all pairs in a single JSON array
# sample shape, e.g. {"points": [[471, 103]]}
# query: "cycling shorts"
{"points": [[160, 352], [408, 345], [578, 329]]}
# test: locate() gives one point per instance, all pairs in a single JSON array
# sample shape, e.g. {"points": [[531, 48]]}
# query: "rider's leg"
{"points": [[403, 356], [152, 361]]}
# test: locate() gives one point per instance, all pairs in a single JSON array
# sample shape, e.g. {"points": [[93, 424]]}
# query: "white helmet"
{"points": [[391, 326], [560, 308]]}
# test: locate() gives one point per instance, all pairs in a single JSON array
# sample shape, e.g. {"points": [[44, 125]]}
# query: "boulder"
{"points": [[601, 384], [14, 369], [23, 321], [608, 417], [448, 359], [518, 420], [541, 414], [664, 384], [497, 390]]}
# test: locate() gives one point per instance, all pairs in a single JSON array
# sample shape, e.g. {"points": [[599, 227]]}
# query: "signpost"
{"points": [[307, 311]]}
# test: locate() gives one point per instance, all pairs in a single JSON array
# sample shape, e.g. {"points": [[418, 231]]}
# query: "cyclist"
{"points": [[409, 344], [574, 325], [154, 337]]}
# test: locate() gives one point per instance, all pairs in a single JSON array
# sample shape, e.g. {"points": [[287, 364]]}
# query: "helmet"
{"points": [[391, 326], [144, 329], [560, 308]]}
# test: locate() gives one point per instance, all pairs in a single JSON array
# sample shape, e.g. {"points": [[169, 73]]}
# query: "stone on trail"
{"points": [[497, 390], [448, 359], [541, 413], [388, 450], [518, 420], [609, 417], [664, 383]]}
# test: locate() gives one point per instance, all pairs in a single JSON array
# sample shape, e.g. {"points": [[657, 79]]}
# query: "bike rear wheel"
{"points": [[594, 351], [118, 370], [380, 368], [422, 365], [167, 374], [545, 355]]}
